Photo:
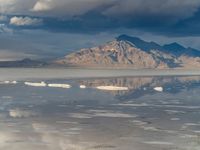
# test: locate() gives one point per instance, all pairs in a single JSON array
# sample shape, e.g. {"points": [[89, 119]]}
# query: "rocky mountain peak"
{"points": [[174, 46], [141, 44], [132, 52], [118, 45]]}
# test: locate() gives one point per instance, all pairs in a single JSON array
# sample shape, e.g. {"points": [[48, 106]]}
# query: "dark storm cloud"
{"points": [[189, 26], [167, 17], [52, 28]]}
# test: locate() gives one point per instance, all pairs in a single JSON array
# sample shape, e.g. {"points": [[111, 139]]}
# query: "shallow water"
{"points": [[53, 118]]}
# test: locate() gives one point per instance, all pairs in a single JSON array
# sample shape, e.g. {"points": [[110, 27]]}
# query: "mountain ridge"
{"points": [[126, 51], [123, 52], [170, 48], [26, 62]]}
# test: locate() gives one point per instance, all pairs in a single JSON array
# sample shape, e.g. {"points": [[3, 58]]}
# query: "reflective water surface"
{"points": [[121, 113]]}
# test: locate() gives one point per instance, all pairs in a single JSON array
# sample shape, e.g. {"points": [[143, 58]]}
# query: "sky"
{"points": [[52, 28]]}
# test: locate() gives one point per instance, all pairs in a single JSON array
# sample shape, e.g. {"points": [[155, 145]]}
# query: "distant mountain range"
{"points": [[123, 52], [23, 63], [132, 52]]}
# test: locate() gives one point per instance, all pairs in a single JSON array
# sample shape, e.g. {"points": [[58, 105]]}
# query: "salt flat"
{"points": [[37, 117], [69, 73]]}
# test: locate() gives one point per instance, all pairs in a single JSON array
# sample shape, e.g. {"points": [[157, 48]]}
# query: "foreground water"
{"points": [[119, 113]]}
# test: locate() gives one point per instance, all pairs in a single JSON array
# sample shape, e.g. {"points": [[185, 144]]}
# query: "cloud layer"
{"points": [[90, 16], [25, 21], [63, 19], [174, 8]]}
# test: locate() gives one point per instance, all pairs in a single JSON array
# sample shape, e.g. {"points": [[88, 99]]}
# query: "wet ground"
{"points": [[89, 118]]}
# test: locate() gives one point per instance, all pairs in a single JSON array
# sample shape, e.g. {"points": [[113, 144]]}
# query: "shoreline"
{"points": [[77, 73]]}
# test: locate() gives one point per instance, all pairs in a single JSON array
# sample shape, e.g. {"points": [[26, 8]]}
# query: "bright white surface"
{"points": [[39, 84], [66, 86], [159, 89], [112, 88]]}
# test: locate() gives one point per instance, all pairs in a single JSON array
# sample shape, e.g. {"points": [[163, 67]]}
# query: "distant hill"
{"points": [[23, 63], [132, 52]]}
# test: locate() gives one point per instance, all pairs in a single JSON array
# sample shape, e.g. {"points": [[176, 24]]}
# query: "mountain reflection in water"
{"points": [[140, 86]]}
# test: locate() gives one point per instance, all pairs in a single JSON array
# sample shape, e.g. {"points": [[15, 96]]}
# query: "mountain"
{"points": [[143, 45], [132, 52], [23, 63], [174, 48]]}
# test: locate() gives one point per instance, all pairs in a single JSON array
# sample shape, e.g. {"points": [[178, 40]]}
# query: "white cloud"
{"points": [[16, 6], [6, 5], [42, 5], [25, 21], [175, 8], [67, 8]]}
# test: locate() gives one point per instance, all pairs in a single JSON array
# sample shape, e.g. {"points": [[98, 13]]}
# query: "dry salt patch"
{"points": [[111, 114], [138, 122], [189, 136], [36, 84], [196, 131], [40, 127], [133, 105], [82, 86], [155, 105], [103, 147], [44, 128], [97, 111], [154, 129], [112, 88], [67, 133], [188, 125], [158, 143], [15, 131], [79, 106], [151, 129], [66, 122], [192, 124], [62, 105], [114, 115], [171, 112], [170, 102], [7, 97], [8, 82], [175, 119], [65, 86], [13, 82], [72, 131], [18, 113], [80, 115], [75, 129], [159, 89]]}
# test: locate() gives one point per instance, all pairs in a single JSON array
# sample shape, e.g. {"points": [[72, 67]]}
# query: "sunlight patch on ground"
{"points": [[56, 85], [38, 84], [112, 88]]}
